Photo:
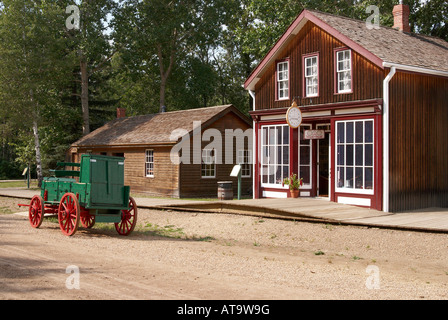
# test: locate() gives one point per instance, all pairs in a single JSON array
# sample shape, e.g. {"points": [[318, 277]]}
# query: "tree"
{"points": [[162, 31], [33, 64], [431, 18], [91, 44]]}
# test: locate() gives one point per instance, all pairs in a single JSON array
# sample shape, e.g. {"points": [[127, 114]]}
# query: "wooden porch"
{"points": [[316, 210]]}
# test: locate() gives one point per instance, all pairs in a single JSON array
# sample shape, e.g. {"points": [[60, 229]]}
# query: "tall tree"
{"points": [[33, 63], [92, 44], [164, 30]]}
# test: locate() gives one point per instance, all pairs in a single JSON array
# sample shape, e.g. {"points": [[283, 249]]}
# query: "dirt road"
{"points": [[180, 255]]}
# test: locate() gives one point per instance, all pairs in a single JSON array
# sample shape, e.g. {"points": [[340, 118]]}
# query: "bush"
{"points": [[10, 170]]}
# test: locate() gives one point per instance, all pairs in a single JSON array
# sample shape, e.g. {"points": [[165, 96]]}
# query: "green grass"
{"points": [[18, 184]]}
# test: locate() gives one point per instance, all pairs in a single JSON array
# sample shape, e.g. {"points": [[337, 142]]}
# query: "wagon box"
{"points": [[99, 195]]}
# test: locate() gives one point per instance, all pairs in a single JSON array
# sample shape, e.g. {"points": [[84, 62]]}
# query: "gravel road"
{"points": [[184, 255]]}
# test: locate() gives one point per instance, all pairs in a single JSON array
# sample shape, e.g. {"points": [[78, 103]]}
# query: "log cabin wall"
{"points": [[193, 185], [418, 142], [166, 174], [367, 77]]}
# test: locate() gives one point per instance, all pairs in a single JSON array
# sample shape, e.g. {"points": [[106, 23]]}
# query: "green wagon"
{"points": [[94, 193]]}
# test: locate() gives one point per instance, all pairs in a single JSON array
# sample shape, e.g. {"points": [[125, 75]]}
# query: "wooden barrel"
{"points": [[225, 190]]}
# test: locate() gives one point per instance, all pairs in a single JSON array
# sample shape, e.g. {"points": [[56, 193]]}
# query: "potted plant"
{"points": [[294, 184]]}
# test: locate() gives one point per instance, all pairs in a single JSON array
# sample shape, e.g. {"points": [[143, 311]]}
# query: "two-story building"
{"points": [[373, 109]]}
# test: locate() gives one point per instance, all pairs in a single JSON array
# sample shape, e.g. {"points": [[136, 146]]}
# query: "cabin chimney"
{"points": [[121, 113], [401, 17]]}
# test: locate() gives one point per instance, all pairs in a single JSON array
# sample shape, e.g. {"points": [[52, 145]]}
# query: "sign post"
{"points": [[236, 172]]}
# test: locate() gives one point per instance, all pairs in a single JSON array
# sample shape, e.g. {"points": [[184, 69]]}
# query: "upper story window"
{"points": [[311, 70], [344, 71], [283, 80]]}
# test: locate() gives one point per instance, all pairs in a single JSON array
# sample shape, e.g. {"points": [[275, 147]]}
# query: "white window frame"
{"points": [[244, 159], [310, 164], [208, 164], [149, 160], [342, 72], [266, 159], [283, 80], [354, 166], [312, 76]]}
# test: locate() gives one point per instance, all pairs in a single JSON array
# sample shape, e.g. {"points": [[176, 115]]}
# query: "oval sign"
{"points": [[294, 116]]}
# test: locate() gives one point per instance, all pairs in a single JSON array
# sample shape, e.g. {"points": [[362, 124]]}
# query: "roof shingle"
{"points": [[150, 129]]}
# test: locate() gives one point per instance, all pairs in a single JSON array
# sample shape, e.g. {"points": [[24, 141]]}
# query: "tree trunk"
{"points": [[38, 154], [162, 92], [164, 74], [85, 96]]}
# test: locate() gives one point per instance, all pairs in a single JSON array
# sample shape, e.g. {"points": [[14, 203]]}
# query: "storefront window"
{"points": [[354, 156], [275, 154]]}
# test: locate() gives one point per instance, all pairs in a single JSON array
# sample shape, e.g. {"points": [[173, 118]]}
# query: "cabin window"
{"points": [[208, 166], [305, 156], [244, 160], [149, 163], [283, 80], [275, 155], [344, 71], [311, 70], [354, 156]]}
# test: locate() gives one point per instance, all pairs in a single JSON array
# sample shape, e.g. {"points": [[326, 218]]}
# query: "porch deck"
{"points": [[322, 210]]}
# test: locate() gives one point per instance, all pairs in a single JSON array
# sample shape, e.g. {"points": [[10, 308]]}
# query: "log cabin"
{"points": [[372, 125], [177, 154]]}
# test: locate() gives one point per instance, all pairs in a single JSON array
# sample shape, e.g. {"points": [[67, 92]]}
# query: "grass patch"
{"points": [[18, 184]]}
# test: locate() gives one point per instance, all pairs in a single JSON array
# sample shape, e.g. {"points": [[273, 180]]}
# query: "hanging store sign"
{"points": [[314, 134], [294, 116]]}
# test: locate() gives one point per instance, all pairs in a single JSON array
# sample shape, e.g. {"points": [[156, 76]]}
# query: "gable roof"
{"points": [[381, 46], [154, 128]]}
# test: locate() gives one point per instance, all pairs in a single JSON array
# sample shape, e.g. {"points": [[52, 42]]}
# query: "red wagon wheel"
{"points": [[36, 211], [87, 220], [69, 214], [128, 219]]}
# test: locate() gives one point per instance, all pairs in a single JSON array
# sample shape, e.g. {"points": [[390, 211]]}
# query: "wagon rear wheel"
{"points": [[87, 220], [36, 211], [128, 219], [69, 214]]}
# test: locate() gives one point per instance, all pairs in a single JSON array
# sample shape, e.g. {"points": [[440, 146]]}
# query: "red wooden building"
{"points": [[374, 111]]}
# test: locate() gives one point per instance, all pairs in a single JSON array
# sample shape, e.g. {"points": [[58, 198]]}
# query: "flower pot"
{"points": [[293, 193]]}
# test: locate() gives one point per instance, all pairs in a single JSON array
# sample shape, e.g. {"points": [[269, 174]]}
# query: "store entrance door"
{"points": [[323, 164]]}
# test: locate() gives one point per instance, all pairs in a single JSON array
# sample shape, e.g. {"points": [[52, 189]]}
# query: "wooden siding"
{"points": [[166, 174], [366, 77], [418, 142], [193, 185]]}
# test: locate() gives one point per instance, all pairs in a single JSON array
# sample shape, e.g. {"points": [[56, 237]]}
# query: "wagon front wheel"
{"points": [[128, 219], [69, 214], [36, 211]]}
